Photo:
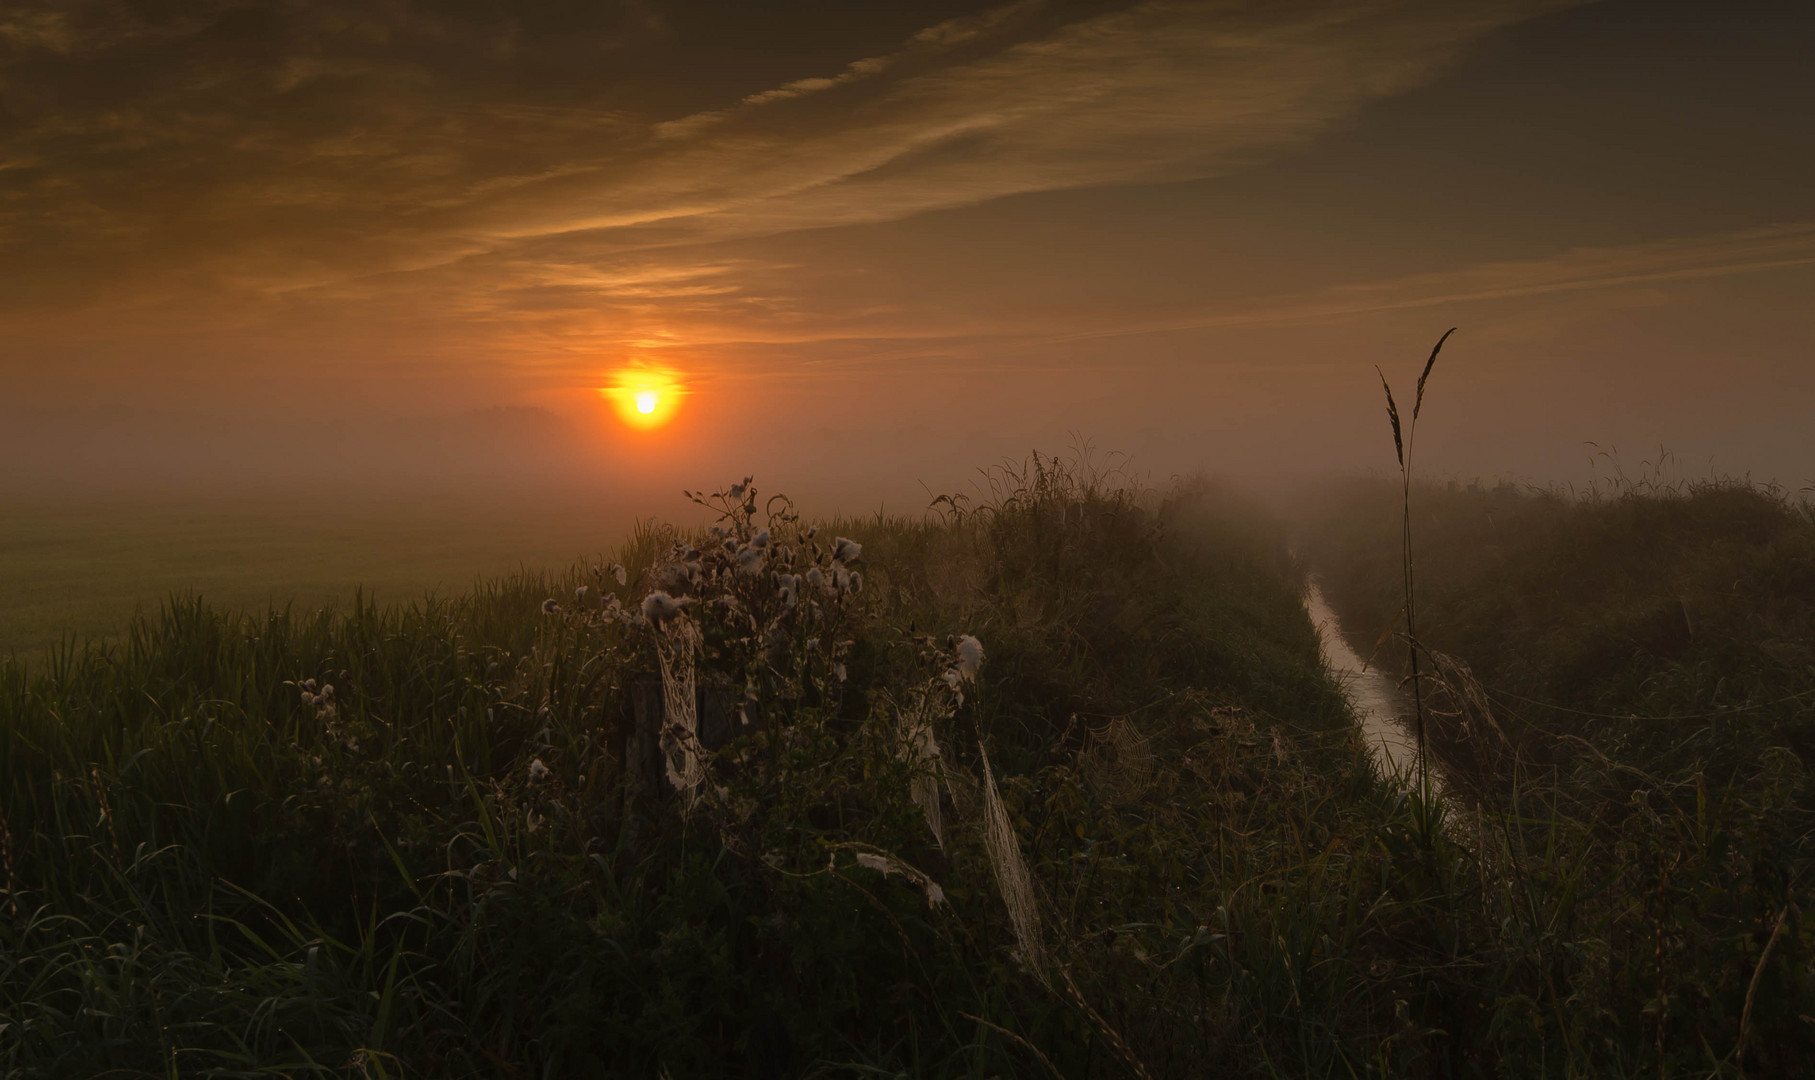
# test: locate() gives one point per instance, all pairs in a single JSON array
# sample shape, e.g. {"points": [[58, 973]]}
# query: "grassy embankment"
{"points": [[81, 565], [1630, 679], [443, 869], [207, 872]]}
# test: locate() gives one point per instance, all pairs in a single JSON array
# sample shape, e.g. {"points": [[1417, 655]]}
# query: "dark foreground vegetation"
{"points": [[1052, 786], [1625, 684]]}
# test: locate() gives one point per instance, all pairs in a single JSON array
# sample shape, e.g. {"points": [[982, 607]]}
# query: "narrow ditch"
{"points": [[1380, 709]]}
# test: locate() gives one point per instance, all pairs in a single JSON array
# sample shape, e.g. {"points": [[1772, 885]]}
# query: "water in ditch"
{"points": [[1380, 708]]}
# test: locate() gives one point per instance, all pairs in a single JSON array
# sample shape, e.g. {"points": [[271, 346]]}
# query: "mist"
{"points": [[389, 268], [1538, 390]]}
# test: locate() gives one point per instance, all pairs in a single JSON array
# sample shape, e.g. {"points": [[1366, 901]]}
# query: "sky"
{"points": [[866, 248]]}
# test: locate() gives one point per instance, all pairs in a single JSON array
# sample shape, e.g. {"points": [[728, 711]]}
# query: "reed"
{"points": [[1402, 450]]}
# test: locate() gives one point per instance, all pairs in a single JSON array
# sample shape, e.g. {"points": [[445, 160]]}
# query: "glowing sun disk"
{"points": [[645, 397]]}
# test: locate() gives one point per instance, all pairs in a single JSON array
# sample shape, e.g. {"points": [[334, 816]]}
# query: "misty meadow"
{"points": [[1054, 780], [666, 538]]}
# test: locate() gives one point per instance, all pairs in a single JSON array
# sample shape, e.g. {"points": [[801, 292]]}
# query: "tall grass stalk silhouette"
{"points": [[1402, 449]]}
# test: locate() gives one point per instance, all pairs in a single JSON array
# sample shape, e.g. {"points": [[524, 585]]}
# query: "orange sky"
{"points": [[881, 244]]}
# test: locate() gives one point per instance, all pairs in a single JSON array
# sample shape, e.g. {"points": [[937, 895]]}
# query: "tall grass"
{"points": [[1402, 451], [435, 870], [1622, 689]]}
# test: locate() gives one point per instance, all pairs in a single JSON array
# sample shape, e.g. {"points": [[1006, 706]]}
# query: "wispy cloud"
{"points": [[402, 167], [1579, 270], [921, 46], [1160, 91], [966, 111], [930, 341]]}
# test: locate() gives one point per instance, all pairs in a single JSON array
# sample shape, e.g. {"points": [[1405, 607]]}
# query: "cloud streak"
{"points": [[334, 146], [1580, 270], [1160, 91], [929, 343]]}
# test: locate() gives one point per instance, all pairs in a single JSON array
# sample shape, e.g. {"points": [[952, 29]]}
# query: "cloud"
{"points": [[1580, 270], [797, 334], [482, 176], [930, 41], [1160, 91]]}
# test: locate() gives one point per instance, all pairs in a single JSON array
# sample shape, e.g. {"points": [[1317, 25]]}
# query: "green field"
{"points": [[83, 566], [1055, 785]]}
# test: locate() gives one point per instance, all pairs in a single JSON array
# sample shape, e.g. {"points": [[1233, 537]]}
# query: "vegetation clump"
{"points": [[1052, 782], [419, 840], [1625, 681]]}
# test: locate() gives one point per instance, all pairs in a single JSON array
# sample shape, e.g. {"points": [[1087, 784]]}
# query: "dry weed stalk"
{"points": [[1758, 973], [886, 862], [1012, 877], [938, 699], [1116, 1041], [921, 748], [677, 648]]}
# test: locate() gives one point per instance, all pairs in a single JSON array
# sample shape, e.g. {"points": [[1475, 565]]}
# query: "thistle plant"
{"points": [[756, 607]]}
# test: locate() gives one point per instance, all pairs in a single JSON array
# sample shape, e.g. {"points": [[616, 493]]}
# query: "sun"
{"points": [[645, 397]]}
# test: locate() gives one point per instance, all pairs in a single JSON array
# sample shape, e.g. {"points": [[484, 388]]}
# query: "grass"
{"points": [[81, 567], [1638, 619], [1403, 445], [453, 866], [1626, 682]]}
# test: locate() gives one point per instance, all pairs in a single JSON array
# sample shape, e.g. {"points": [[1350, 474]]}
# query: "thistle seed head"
{"points": [[659, 607], [970, 657]]}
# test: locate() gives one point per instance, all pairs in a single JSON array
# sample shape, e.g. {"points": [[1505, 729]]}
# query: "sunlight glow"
{"points": [[645, 397]]}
